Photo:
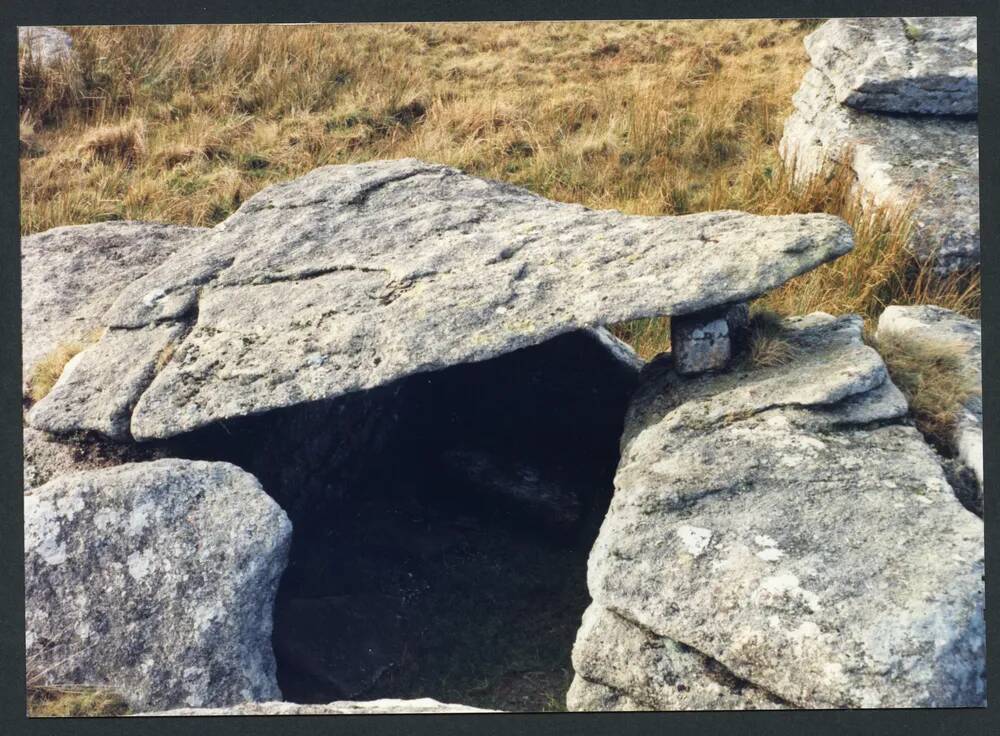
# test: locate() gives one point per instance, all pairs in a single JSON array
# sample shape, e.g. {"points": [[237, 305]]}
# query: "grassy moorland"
{"points": [[182, 124]]}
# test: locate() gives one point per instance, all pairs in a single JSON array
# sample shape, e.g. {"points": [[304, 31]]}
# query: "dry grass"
{"points": [[932, 376], [648, 117], [122, 144], [74, 701], [46, 371], [45, 699], [767, 347], [165, 356]]}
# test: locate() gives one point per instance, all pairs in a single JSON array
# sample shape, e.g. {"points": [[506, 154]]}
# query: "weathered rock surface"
{"points": [[930, 164], [44, 44], [71, 275], [781, 522], [950, 330], [353, 276], [621, 666], [99, 386], [157, 580], [906, 65], [707, 341], [343, 707]]}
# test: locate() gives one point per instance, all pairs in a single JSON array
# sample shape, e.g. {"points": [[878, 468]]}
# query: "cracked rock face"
{"points": [[71, 275], [45, 45], [621, 666], [929, 163], [904, 65], [155, 579], [353, 276], [786, 525], [950, 330]]}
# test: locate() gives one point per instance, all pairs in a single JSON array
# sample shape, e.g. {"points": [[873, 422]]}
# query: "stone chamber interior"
{"points": [[441, 525]]}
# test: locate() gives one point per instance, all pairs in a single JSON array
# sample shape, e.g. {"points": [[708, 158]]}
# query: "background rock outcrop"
{"points": [[353, 276], [929, 163], [786, 525], [156, 580], [908, 65]]}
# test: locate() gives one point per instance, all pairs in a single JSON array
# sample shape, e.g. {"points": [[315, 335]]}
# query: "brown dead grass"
{"points": [[45, 699], [52, 701], [639, 116], [767, 347], [932, 377], [122, 144], [47, 371], [647, 117]]}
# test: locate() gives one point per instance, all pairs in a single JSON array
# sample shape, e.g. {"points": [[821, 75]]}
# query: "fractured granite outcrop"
{"points": [[925, 164], [71, 275], [903, 65], [787, 527], [45, 45], [341, 707]]}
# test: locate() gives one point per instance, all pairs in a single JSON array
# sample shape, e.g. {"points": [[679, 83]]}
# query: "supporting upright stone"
{"points": [[707, 341]]}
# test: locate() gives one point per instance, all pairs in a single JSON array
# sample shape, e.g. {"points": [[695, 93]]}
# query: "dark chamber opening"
{"points": [[441, 525]]}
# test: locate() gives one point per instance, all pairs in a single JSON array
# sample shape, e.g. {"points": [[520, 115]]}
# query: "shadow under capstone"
{"points": [[441, 525]]}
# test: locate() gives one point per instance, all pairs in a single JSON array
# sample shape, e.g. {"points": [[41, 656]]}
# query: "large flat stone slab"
{"points": [[905, 65], [807, 541], [354, 276], [156, 580], [930, 164], [71, 275]]}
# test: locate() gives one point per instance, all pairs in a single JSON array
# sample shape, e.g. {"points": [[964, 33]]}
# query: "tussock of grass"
{"points": [[767, 347], [26, 133], [648, 337], [932, 377], [111, 144]]}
